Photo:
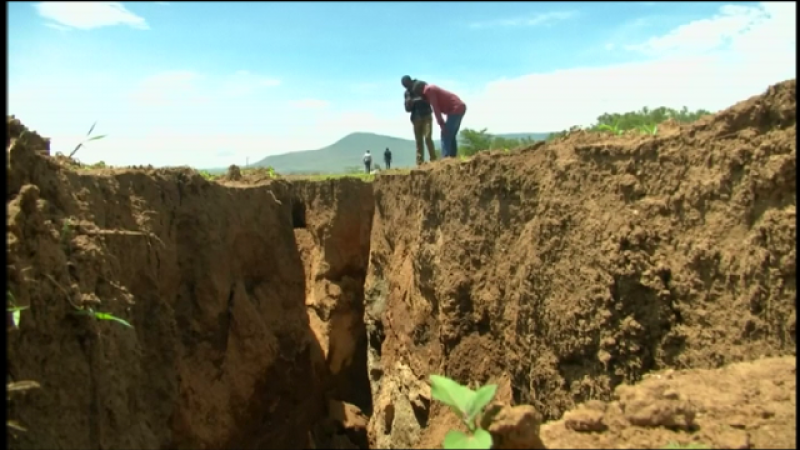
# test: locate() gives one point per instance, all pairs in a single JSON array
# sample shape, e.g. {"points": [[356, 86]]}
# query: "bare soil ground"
{"points": [[274, 313], [743, 405]]}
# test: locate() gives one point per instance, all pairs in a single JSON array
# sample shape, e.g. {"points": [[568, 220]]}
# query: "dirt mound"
{"points": [[221, 353], [744, 405], [566, 269]]}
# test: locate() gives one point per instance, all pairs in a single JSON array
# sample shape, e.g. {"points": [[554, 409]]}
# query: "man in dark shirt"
{"points": [[387, 158], [422, 118]]}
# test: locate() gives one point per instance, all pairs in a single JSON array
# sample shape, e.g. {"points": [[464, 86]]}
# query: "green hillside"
{"points": [[347, 153]]}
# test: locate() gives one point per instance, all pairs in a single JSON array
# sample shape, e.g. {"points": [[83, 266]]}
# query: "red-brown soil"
{"points": [[563, 270], [222, 353], [296, 314]]}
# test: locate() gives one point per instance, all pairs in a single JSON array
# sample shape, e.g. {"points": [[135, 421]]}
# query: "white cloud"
{"points": [[58, 27], [244, 83], [169, 118], [711, 64], [213, 120], [706, 34], [310, 103], [89, 15], [530, 21], [167, 88]]}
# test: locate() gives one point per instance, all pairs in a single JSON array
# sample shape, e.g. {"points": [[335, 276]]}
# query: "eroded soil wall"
{"points": [[221, 353], [565, 269], [332, 226]]}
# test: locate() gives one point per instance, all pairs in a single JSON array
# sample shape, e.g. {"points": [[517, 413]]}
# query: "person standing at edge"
{"points": [[387, 158], [421, 117], [444, 102], [367, 162]]}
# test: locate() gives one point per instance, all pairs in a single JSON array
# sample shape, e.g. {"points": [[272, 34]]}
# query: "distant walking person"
{"points": [[444, 102], [368, 162], [421, 117], [387, 158]]}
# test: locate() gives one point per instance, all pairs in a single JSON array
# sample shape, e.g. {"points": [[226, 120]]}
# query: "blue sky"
{"points": [[208, 84]]}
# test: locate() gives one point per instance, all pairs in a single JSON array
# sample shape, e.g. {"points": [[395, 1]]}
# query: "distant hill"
{"points": [[347, 152]]}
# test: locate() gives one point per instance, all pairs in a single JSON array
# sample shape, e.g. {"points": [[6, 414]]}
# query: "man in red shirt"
{"points": [[444, 102]]}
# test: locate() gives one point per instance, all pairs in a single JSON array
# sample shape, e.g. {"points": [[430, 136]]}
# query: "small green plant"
{"points": [[16, 311], [208, 175], [649, 129], [97, 165], [612, 128], [367, 177], [691, 445], [468, 406], [101, 316], [89, 138], [66, 235]]}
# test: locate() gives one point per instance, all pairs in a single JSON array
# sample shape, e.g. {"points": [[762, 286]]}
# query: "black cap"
{"points": [[406, 79]]}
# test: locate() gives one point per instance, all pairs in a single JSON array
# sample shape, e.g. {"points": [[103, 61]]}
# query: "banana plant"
{"points": [[649, 129], [612, 128]]}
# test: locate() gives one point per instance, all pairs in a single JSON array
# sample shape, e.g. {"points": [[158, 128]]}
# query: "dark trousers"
{"points": [[367, 166], [388, 163], [450, 135]]}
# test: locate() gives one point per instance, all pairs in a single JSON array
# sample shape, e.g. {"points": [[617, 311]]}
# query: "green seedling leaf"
{"points": [[16, 313], [94, 138], [77, 147], [479, 401], [84, 312], [456, 439], [101, 316], [451, 393], [107, 316], [92, 128]]}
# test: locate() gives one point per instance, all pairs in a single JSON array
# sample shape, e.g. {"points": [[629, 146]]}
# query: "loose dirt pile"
{"points": [[277, 314], [744, 405], [571, 267]]}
